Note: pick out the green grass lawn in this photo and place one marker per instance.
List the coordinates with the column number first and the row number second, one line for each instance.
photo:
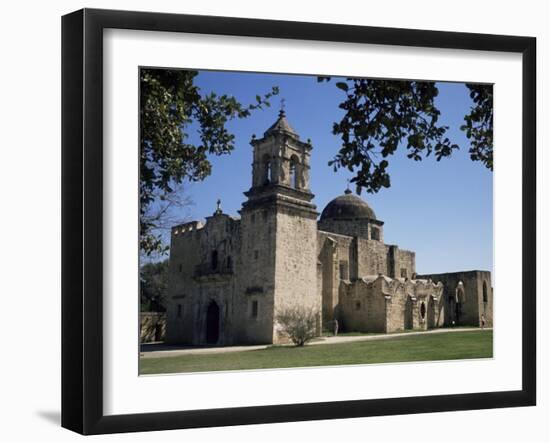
column 444, row 346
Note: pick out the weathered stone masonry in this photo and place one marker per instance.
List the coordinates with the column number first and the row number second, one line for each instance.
column 231, row 276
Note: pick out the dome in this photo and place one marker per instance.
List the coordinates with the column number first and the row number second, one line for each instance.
column 348, row 206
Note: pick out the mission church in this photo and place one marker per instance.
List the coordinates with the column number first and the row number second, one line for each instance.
column 230, row 277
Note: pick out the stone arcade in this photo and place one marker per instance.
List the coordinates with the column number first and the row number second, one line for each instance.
column 231, row 276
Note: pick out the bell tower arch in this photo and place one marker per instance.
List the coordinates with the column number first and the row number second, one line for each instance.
column 280, row 158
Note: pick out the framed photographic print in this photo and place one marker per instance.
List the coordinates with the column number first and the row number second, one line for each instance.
column 269, row 221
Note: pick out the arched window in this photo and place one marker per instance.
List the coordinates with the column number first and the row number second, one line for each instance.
column 294, row 164
column 460, row 293
column 456, row 316
column 214, row 260
column 485, row 298
column 423, row 310
column 267, row 169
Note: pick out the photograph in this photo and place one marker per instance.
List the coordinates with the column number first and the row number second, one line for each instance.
column 243, row 221
column 295, row 221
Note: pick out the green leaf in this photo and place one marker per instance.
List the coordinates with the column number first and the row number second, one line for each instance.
column 343, row 86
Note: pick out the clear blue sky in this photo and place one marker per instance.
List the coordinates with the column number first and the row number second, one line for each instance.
column 442, row 210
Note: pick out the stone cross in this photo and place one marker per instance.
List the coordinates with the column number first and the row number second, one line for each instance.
column 283, row 105
column 218, row 207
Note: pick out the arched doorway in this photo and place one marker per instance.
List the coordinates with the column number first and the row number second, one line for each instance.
column 452, row 308
column 212, row 323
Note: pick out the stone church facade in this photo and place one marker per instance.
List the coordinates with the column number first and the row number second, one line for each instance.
column 230, row 277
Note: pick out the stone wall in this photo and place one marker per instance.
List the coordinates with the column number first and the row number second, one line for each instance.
column 361, row 228
column 362, row 309
column 185, row 249
column 296, row 263
column 336, row 262
column 372, row 257
column 382, row 304
column 254, row 308
column 406, row 262
column 203, row 261
column 470, row 284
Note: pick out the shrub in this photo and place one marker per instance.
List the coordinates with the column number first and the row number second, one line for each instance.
column 299, row 324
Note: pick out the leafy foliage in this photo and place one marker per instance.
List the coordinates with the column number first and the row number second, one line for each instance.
column 171, row 105
column 479, row 124
column 382, row 115
column 379, row 116
column 298, row 323
column 153, row 284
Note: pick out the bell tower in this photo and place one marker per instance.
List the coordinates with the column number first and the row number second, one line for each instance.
column 279, row 232
column 281, row 162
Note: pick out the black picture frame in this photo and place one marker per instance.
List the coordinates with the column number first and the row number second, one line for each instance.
column 82, row 215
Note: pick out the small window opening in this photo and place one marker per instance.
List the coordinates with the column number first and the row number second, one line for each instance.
column 254, row 311
column 214, row 260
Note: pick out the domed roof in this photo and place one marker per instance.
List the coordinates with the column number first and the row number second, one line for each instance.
column 348, row 206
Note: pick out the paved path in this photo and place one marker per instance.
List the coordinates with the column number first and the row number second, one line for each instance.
column 160, row 350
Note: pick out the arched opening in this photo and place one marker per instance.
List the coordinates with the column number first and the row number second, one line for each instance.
column 268, row 170
column 294, row 164
column 423, row 310
column 458, row 312
column 212, row 323
column 214, row 260
column 450, row 314
column 408, row 321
